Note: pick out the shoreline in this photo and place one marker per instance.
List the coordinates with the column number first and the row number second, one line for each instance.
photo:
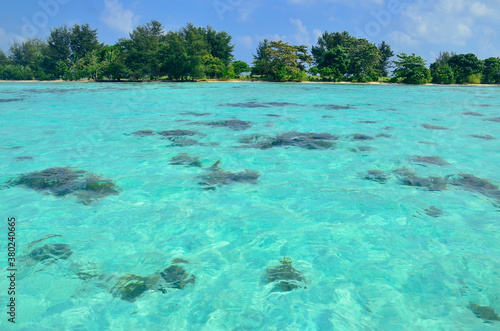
column 240, row 81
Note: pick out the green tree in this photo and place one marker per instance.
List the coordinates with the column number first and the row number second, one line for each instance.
column 214, row 68
column 113, row 66
column 83, row 41
column 364, row 57
column 443, row 75
column 386, row 54
column 411, row 69
column 240, row 67
column 4, row 60
column 142, row 50
column 283, row 62
column 218, row 44
column 491, row 71
column 334, row 64
column 466, row 67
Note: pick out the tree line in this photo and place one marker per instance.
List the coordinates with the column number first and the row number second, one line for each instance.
column 194, row 53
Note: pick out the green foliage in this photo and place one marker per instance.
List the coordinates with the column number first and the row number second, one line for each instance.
column 386, row 54
column 279, row 61
column 348, row 57
column 464, row 66
column 443, row 75
column 491, row 71
column 411, row 69
column 240, row 67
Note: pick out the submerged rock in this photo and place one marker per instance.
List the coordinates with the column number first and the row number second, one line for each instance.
column 472, row 113
column 475, row 184
column 64, row 181
column 130, row 287
column 433, row 212
column 360, row 136
column 335, row 107
column 143, row 133
column 235, row 125
column 23, row 158
column 376, row 175
column 176, row 277
column 305, row 140
column 383, row 135
column 186, row 160
column 485, row 137
column 285, row 276
column 432, row 183
column 437, row 160
column 51, row 252
column 219, row 177
column 434, row 127
column 10, row 100
column 494, row 119
column 484, row 312
column 184, row 142
column 180, row 133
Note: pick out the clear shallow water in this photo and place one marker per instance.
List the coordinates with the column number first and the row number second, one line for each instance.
column 371, row 256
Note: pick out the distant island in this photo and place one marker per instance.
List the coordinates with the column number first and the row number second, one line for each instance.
column 204, row 54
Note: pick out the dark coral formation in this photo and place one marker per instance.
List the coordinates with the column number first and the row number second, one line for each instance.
column 376, row 175
column 360, row 136
column 23, row 158
column 305, row 140
column 64, row 181
column 253, row 104
column 51, row 252
column 10, row 100
column 475, row 184
column 176, row 277
column 196, row 114
column 179, row 133
column 383, row 135
column 184, row 142
column 484, row 137
column 434, row 127
column 433, row 212
column 186, row 160
column 130, row 287
column 368, row 122
column 472, row 113
column 285, row 276
column 436, row 160
column 219, row 177
column 484, row 312
column 494, row 119
column 235, row 125
column 431, row 183
column 335, row 107
column 143, row 133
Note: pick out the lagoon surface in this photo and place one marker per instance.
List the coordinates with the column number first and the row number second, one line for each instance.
column 389, row 219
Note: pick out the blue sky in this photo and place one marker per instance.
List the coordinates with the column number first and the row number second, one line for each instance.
column 424, row 27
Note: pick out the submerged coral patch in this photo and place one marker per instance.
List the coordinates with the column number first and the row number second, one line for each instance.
column 10, row 100
column 143, row 133
column 434, row 127
column 335, row 107
column 475, row 184
column 433, row 211
column 184, row 142
column 51, row 252
column 176, row 277
column 253, row 104
column 436, row 160
column 305, row 140
column 472, row 113
column 180, row 133
column 218, row 177
column 235, row 125
column 23, row 158
column 286, row 277
column 376, row 175
column 360, row 136
column 484, row 312
column 186, row 160
column 432, row 183
column 64, row 181
column 130, row 287
column 484, row 137
column 494, row 119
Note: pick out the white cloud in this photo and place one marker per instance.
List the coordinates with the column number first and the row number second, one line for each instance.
column 302, row 36
column 402, row 38
column 245, row 41
column 445, row 21
column 118, row 18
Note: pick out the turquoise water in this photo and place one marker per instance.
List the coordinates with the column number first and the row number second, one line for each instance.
column 371, row 256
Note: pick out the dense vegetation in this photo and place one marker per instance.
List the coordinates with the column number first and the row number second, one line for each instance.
column 194, row 53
